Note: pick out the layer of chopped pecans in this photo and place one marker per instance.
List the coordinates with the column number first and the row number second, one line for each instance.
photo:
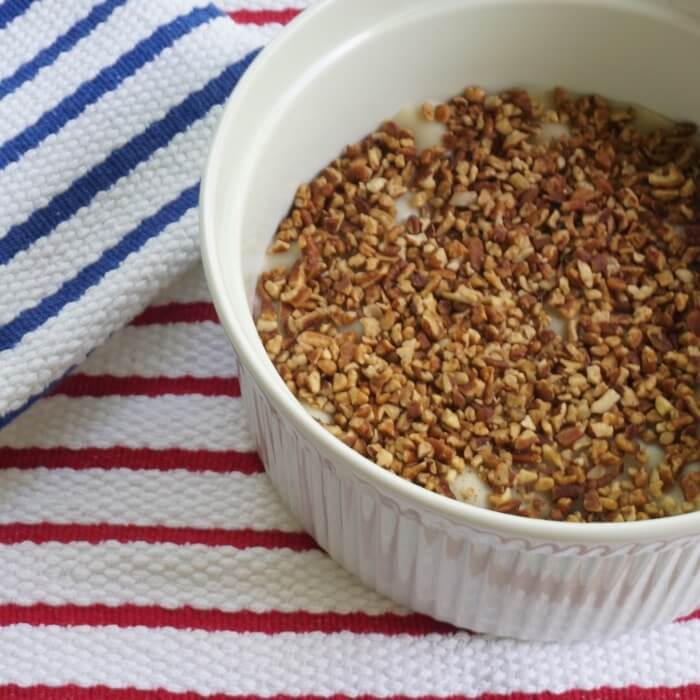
column 431, row 343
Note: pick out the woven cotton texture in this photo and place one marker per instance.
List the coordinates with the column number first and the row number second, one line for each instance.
column 143, row 552
column 106, row 113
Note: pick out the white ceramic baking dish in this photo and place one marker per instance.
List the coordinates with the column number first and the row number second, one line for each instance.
column 330, row 78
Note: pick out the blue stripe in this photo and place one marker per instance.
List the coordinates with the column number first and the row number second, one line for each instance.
column 11, row 9
column 121, row 161
column 63, row 43
column 107, row 79
column 31, row 319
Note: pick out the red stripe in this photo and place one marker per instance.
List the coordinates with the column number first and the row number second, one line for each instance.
column 264, row 16
column 74, row 692
column 131, row 458
column 186, row 617
column 216, row 620
column 41, row 533
column 693, row 616
column 108, row 385
column 191, row 312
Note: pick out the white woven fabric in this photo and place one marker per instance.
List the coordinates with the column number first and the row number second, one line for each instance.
column 172, row 575
column 106, row 112
column 200, row 422
column 182, row 348
column 324, row 664
column 180, row 498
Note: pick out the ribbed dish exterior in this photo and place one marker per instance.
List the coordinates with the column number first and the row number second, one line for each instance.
column 473, row 579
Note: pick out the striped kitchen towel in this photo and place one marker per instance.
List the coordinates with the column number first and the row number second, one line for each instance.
column 145, row 556
column 106, row 112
